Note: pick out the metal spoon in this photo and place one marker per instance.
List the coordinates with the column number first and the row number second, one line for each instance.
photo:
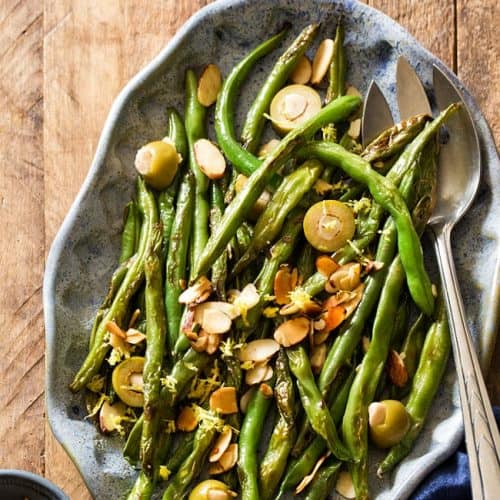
column 459, row 174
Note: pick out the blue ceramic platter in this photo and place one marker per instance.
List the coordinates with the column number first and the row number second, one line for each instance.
column 86, row 248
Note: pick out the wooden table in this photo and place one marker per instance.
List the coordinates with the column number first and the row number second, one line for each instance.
column 62, row 63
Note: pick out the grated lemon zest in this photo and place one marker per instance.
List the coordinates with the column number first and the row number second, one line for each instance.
column 96, row 384
column 95, row 409
column 170, row 383
column 164, row 472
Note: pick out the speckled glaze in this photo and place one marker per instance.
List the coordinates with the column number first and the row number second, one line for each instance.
column 86, row 248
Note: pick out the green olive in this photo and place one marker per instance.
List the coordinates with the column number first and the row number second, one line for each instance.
column 158, row 162
column 328, row 225
column 202, row 490
column 127, row 381
column 292, row 106
column 389, row 422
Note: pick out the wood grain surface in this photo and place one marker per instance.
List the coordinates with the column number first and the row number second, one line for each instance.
column 62, row 63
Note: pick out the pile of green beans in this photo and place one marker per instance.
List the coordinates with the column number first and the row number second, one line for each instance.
column 203, row 229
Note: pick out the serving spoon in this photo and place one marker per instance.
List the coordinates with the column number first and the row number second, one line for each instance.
column 458, row 181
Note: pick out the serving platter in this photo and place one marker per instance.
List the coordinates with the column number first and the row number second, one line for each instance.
column 86, row 248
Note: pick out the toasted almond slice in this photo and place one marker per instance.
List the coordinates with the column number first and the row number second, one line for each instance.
column 113, row 328
column 118, row 343
column 329, row 288
column 319, row 324
column 326, row 265
column 318, row 357
column 215, row 321
column 311, row 308
column 256, row 375
column 134, row 318
column 266, row 390
column 307, row 480
column 354, row 129
column 209, row 85
column 293, row 331
column 346, row 277
column 264, row 150
column 351, row 305
column 293, row 106
column 340, row 297
column 197, row 293
column 248, row 298
column 229, row 457
column 186, row 420
column 372, row 265
column 352, row 90
column 213, row 343
column 109, row 415
column 135, row 336
column 269, row 373
column 209, row 158
column 289, row 309
column 301, row 74
column 321, row 337
column 282, row 285
column 334, row 317
column 398, row 372
column 215, row 468
column 245, row 399
column 344, row 485
column 223, row 400
column 258, row 350
column 221, row 444
column 201, row 343
column 322, row 60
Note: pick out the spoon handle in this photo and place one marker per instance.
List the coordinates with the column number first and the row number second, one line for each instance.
column 481, row 431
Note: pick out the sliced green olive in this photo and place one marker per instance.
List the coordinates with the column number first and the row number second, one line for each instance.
column 127, row 381
column 328, row 225
column 211, row 489
column 389, row 422
column 157, row 162
column 292, row 106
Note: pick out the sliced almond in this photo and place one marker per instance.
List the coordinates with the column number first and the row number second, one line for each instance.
column 354, row 129
column 201, row 343
column 209, row 158
column 215, row 468
column 113, row 328
column 265, row 150
column 372, row 265
column 397, row 370
column 266, row 390
column 197, row 293
column 293, row 331
column 248, row 298
column 321, row 337
column 340, row 297
column 216, row 322
column 258, row 350
column 326, row 265
column 344, row 485
column 318, row 357
column 256, row 375
column 213, row 343
column 224, row 307
column 284, row 282
column 322, row 60
column 186, row 420
column 109, row 416
column 134, row 336
column 352, row 90
column 221, row 444
column 118, row 343
column 351, row 305
column 307, row 479
column 301, row 74
column 134, row 318
column 333, row 317
column 223, row 400
column 245, row 399
column 209, row 85
column 229, row 457
column 346, row 277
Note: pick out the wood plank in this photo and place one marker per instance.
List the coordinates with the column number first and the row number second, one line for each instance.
column 431, row 22
column 22, row 242
column 479, row 70
column 91, row 49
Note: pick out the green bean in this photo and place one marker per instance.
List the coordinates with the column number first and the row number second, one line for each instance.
column 143, row 487
column 274, row 461
column 175, row 272
column 192, row 465
column 362, row 393
column 305, row 263
column 219, row 269
column 155, row 347
column 316, row 409
column 129, row 286
column 242, row 160
column 177, row 132
column 244, row 200
column 426, row 382
column 337, row 71
column 393, row 139
column 324, row 481
column 243, row 239
column 303, row 465
column 386, row 194
column 195, row 116
column 129, row 231
column 250, row 432
column 413, row 344
column 287, row 196
column 256, row 120
column 182, row 451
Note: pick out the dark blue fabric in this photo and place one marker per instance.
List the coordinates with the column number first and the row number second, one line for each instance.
column 450, row 480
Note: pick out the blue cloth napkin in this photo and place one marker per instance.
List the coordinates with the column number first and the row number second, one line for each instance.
column 451, row 480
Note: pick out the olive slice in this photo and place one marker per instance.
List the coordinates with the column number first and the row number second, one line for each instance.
column 157, row 162
column 292, row 106
column 328, row 225
column 127, row 381
column 389, row 422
